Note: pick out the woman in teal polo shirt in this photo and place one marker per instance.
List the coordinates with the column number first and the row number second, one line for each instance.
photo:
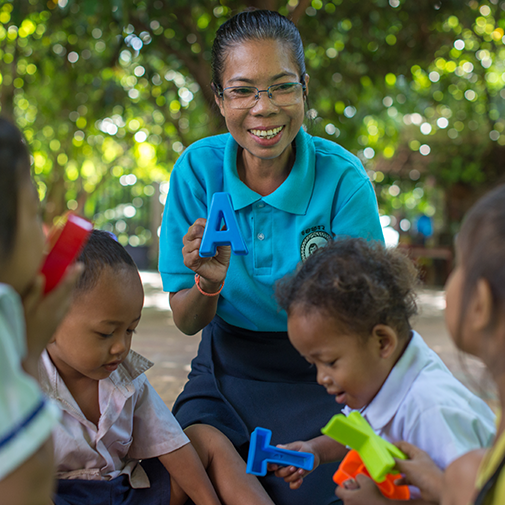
column 291, row 193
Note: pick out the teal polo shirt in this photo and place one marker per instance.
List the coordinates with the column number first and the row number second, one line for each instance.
column 327, row 195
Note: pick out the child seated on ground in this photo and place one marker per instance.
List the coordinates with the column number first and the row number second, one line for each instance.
column 117, row 442
column 349, row 307
column 475, row 318
column 27, row 322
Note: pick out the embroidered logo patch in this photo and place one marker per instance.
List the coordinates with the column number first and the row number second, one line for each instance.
column 312, row 242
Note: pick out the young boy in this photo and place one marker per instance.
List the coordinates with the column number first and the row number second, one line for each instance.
column 113, row 418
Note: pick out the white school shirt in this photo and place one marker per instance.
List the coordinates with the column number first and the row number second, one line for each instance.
column 422, row 403
column 134, row 424
column 26, row 418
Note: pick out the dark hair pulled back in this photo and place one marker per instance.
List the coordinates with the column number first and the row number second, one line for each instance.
column 255, row 25
column 357, row 283
column 14, row 166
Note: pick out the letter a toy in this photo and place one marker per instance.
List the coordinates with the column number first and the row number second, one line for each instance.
column 221, row 209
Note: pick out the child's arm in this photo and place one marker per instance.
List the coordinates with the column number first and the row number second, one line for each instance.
column 188, row 477
column 32, row 482
column 421, row 471
column 460, row 477
column 325, row 450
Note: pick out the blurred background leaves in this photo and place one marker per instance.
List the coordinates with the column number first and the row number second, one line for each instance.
column 110, row 92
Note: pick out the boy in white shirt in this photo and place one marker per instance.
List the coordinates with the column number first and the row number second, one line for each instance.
column 113, row 418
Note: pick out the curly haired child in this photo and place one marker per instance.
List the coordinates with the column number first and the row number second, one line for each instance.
column 349, row 307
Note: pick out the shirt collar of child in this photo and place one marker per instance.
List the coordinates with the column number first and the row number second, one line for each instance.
column 131, row 368
column 386, row 403
column 300, row 181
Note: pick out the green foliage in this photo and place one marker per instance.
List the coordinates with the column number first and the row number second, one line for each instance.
column 109, row 89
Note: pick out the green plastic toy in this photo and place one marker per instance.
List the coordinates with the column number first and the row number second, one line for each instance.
column 354, row 431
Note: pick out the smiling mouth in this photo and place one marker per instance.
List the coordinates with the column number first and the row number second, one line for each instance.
column 267, row 134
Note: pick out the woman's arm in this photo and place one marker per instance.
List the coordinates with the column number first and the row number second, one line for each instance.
column 191, row 309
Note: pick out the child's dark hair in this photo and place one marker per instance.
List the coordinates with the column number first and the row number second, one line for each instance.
column 358, row 283
column 255, row 25
column 101, row 251
column 14, row 166
column 481, row 247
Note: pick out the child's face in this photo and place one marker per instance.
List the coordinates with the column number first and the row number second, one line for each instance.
column 95, row 336
column 349, row 367
column 23, row 264
column 453, row 292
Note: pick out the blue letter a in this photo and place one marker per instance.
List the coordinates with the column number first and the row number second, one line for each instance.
column 221, row 209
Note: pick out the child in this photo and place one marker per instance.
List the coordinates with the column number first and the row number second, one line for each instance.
column 26, row 419
column 348, row 309
column 475, row 318
column 113, row 418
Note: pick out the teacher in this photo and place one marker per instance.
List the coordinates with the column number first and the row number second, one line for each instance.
column 291, row 193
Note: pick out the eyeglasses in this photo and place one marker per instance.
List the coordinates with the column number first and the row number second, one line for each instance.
column 246, row 97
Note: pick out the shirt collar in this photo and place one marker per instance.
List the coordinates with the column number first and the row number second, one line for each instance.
column 133, row 366
column 386, row 403
column 292, row 196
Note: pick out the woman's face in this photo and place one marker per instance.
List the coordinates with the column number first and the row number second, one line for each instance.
column 261, row 63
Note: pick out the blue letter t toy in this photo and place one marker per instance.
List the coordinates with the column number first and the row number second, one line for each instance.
column 261, row 453
column 221, row 209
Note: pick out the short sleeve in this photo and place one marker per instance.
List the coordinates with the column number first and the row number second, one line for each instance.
column 26, row 417
column 446, row 433
column 358, row 216
column 182, row 209
column 155, row 429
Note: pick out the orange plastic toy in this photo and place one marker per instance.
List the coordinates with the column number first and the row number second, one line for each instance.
column 352, row 465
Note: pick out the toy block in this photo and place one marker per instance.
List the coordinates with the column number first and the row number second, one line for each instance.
column 352, row 465
column 355, row 432
column 261, row 453
column 221, row 209
column 65, row 242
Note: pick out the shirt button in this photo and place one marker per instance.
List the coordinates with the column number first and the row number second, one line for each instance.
column 260, row 236
column 261, row 205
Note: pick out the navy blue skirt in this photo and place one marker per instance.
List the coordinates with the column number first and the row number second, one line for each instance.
column 117, row 491
column 242, row 379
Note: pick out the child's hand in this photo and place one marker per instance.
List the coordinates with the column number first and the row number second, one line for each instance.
column 43, row 314
column 212, row 269
column 361, row 491
column 420, row 471
column 291, row 474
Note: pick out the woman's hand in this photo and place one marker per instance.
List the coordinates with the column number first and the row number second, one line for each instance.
column 420, row 471
column 291, row 474
column 211, row 270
